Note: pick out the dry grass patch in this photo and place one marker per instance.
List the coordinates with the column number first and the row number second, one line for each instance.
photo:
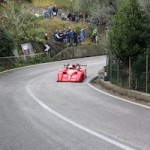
column 46, row 3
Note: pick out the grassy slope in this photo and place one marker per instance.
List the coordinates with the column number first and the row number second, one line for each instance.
column 41, row 26
column 50, row 25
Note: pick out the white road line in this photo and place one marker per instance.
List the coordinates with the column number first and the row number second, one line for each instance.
column 125, row 100
column 109, row 140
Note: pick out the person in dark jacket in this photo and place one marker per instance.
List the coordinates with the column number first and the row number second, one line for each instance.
column 56, row 36
column 81, row 16
column 73, row 17
column 61, row 35
column 65, row 34
column 46, row 37
column 71, row 37
column 55, row 10
column 69, row 16
column 75, row 36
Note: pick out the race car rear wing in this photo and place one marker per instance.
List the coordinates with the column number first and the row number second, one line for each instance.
column 65, row 65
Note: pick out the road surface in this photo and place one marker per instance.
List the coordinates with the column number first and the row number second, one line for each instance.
column 38, row 113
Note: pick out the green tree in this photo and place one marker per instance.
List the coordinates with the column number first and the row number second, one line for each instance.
column 97, row 8
column 19, row 21
column 146, row 5
column 128, row 36
column 6, row 43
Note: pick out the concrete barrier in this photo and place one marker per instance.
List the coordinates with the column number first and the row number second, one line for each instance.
column 79, row 52
column 140, row 96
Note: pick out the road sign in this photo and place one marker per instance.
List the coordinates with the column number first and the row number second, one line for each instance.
column 47, row 47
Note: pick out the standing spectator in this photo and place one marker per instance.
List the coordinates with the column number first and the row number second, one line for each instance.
column 68, row 35
column 65, row 36
column 94, row 34
column 82, row 34
column 50, row 10
column 71, row 37
column 96, row 39
column 69, row 16
column 55, row 10
column 73, row 17
column 75, row 36
column 46, row 37
column 81, row 17
column 60, row 36
column 86, row 16
column 56, row 36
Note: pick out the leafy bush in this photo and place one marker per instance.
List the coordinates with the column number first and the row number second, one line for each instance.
column 6, row 43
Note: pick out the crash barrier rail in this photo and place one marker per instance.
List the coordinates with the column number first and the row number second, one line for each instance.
column 23, row 60
column 132, row 74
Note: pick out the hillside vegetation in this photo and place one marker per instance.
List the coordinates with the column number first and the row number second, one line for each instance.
column 20, row 21
column 45, row 3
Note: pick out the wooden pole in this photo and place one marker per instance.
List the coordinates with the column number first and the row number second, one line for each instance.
column 147, row 72
column 117, row 71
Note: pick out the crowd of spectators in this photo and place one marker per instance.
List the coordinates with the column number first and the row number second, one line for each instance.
column 51, row 11
column 72, row 17
column 75, row 17
column 72, row 37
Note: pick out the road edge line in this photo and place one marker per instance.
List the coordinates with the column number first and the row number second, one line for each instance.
column 109, row 140
column 108, row 94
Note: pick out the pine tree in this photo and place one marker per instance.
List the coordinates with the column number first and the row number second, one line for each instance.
column 128, row 36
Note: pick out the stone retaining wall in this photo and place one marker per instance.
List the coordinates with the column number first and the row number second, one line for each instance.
column 79, row 52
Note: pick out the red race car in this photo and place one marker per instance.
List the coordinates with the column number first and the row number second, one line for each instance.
column 72, row 73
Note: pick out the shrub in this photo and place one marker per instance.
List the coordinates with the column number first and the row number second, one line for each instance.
column 6, row 43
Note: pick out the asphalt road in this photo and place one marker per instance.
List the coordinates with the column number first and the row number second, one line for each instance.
column 38, row 113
